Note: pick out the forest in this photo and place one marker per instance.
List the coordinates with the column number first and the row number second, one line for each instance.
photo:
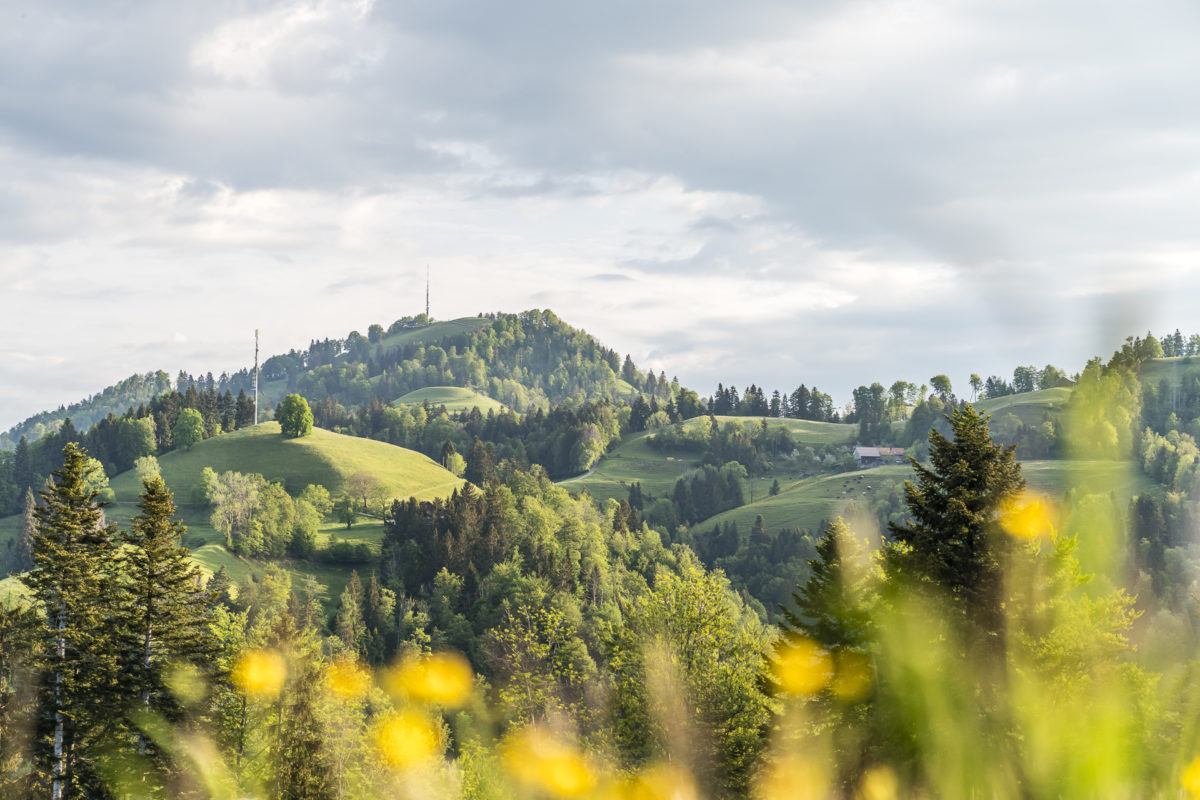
column 514, row 634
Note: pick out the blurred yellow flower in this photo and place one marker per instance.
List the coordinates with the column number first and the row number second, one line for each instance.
column 1191, row 778
column 348, row 679
column 878, row 783
column 790, row 777
column 407, row 739
column 1027, row 516
column 664, row 782
column 851, row 676
column 444, row 678
column 539, row 759
column 801, row 667
column 260, row 673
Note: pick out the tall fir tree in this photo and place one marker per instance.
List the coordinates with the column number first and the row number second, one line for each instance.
column 166, row 619
column 830, row 606
column 22, row 552
column 74, row 580
column 953, row 539
column 20, row 630
column 23, row 475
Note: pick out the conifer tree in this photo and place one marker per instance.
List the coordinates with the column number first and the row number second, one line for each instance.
column 74, row 581
column 19, row 633
column 23, row 475
column 22, row 558
column 830, row 607
column 953, row 540
column 166, row 619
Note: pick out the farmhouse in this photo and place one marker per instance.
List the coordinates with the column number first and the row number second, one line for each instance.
column 875, row 456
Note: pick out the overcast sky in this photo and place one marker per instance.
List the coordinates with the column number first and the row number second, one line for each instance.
column 827, row 192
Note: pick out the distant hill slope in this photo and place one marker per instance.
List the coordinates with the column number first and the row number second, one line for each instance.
column 806, row 503
column 323, row 458
column 454, row 398
column 634, row 460
column 523, row 360
column 1029, row 407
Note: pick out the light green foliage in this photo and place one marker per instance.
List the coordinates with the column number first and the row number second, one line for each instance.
column 189, row 429
column 318, row 498
column 146, row 468
column 688, row 666
column 1101, row 413
column 96, row 481
column 541, row 663
column 295, row 417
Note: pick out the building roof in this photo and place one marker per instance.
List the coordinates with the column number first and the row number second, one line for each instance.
column 866, row 452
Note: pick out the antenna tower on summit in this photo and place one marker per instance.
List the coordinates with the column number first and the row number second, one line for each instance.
column 256, row 376
column 427, row 294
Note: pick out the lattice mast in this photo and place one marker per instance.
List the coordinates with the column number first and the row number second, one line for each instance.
column 256, row 376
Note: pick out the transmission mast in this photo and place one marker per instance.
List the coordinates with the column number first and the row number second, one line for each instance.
column 427, row 320
column 256, row 376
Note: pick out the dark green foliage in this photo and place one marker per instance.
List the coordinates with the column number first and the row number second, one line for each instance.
column 219, row 588
column 75, row 580
column 481, row 464
column 21, row 556
column 830, row 606
column 20, row 643
column 295, row 417
column 166, row 608
column 953, row 540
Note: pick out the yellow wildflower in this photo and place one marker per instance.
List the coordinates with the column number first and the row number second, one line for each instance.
column 1027, row 516
column 407, row 739
column 664, row 781
column 878, row 783
column 443, row 679
column 348, row 679
column 1190, row 779
column 802, row 667
column 791, row 777
column 260, row 673
column 541, row 760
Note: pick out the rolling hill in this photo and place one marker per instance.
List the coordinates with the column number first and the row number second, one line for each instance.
column 657, row 470
column 454, row 398
column 324, row 458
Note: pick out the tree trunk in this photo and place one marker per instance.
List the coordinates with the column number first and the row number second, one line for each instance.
column 145, row 692
column 60, row 766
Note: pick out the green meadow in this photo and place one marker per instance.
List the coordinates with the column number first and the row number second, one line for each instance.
column 454, row 398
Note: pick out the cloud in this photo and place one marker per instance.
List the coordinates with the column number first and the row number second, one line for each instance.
column 839, row 190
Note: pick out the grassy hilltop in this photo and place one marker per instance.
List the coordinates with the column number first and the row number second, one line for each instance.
column 324, row 458
column 454, row 398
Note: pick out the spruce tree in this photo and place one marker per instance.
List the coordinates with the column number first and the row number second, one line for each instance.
column 22, row 558
column 166, row 619
column 20, row 629
column 23, row 475
column 829, row 606
column 74, row 580
column 953, row 540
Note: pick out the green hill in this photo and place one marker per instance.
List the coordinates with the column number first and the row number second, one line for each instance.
column 454, row 398
column 1029, row 407
column 322, row 458
column 634, row 460
column 435, row 332
column 805, row 503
